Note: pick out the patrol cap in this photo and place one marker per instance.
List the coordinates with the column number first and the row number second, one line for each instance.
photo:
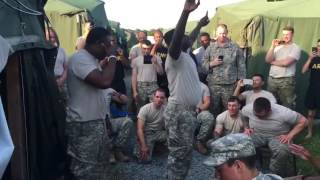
column 230, row 147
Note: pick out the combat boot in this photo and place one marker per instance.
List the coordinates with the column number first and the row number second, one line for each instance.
column 121, row 157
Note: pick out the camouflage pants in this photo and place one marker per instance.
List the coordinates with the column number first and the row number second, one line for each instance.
column 179, row 123
column 280, row 159
column 145, row 91
column 121, row 128
column 205, row 123
column 220, row 94
column 283, row 89
column 151, row 137
column 88, row 147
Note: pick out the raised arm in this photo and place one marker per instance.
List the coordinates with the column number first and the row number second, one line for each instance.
column 195, row 32
column 176, row 42
column 306, row 65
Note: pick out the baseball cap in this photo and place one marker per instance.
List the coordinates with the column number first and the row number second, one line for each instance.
column 230, row 147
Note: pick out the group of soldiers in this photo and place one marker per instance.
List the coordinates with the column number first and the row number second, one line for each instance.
column 184, row 99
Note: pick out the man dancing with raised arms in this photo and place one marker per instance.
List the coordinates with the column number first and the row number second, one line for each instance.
column 185, row 94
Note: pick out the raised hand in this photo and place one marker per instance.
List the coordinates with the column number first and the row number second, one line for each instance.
column 204, row 20
column 191, row 5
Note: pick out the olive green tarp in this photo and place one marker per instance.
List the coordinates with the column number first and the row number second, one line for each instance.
column 254, row 23
column 68, row 16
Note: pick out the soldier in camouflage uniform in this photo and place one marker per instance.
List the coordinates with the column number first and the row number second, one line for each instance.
column 225, row 64
column 233, row 158
column 150, row 127
column 205, row 120
column 88, row 142
column 274, row 126
column 185, row 94
column 144, row 75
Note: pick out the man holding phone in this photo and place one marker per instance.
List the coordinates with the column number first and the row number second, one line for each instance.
column 225, row 63
column 144, row 75
column 283, row 58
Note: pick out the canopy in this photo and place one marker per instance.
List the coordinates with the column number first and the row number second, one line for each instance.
column 253, row 24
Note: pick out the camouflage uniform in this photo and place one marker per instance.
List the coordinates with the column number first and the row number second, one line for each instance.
column 179, row 122
column 222, row 78
column 283, row 90
column 88, row 146
column 121, row 128
column 234, row 146
column 205, row 123
column 151, row 137
column 145, row 91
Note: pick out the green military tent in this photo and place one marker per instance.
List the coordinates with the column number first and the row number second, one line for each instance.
column 253, row 24
column 68, row 16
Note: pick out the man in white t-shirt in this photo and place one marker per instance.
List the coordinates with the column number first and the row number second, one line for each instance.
column 257, row 91
column 150, row 127
column 283, row 56
column 185, row 94
column 275, row 126
column 144, row 75
column 229, row 121
column 89, row 72
column 136, row 50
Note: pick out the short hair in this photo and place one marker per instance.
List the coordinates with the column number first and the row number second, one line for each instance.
column 261, row 104
column 234, row 99
column 168, row 36
column 146, row 42
column 50, row 29
column 97, row 34
column 249, row 161
column 158, row 31
column 259, row 75
column 224, row 26
column 318, row 40
column 204, row 34
column 160, row 90
column 288, row 28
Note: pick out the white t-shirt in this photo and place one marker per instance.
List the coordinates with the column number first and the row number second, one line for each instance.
column 152, row 117
column 135, row 51
column 184, row 83
column 228, row 124
column 60, row 60
column 282, row 52
column 145, row 72
column 86, row 102
column 251, row 96
column 279, row 122
column 108, row 97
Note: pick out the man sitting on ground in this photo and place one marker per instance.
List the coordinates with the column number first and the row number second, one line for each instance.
column 233, row 158
column 230, row 121
column 275, row 126
column 150, row 127
column 205, row 120
column 257, row 91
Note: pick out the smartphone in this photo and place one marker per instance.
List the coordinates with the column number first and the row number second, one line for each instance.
column 147, row 59
column 220, row 58
column 314, row 49
column 247, row 82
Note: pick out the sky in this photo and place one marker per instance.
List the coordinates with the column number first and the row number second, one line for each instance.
column 153, row 14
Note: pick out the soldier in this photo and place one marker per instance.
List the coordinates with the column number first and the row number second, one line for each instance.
column 185, row 94
column 205, row 120
column 150, row 127
column 283, row 56
column 233, row 158
column 275, row 126
column 144, row 75
column 119, row 126
column 136, row 50
column 225, row 64
column 90, row 70
column 257, row 91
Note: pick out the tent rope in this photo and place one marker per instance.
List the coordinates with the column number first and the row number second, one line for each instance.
column 33, row 12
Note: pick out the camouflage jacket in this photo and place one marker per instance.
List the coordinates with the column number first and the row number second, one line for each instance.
column 232, row 68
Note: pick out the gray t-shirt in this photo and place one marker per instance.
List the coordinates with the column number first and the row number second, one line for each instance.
column 228, row 124
column 204, row 92
column 108, row 97
column 279, row 122
column 152, row 117
column 251, row 96
column 135, row 51
column 86, row 102
column 184, row 83
column 60, row 61
column 145, row 72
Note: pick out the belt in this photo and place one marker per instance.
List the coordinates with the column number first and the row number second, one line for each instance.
column 147, row 83
column 281, row 77
column 186, row 107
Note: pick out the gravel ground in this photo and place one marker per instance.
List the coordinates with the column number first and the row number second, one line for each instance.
column 157, row 169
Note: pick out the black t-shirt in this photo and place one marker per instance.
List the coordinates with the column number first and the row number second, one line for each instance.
column 162, row 52
column 315, row 72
